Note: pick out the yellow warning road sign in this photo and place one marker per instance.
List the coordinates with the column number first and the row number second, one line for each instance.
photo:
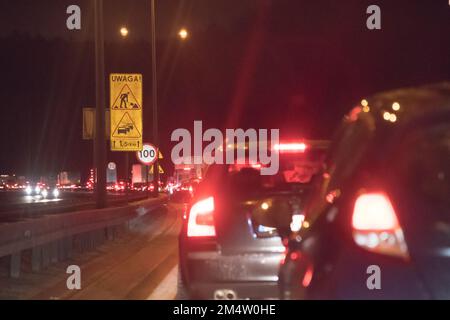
column 160, row 169
column 126, row 111
column 126, row 128
column 89, row 124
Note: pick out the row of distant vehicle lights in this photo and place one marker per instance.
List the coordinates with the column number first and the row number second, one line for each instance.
column 41, row 191
column 387, row 115
column 12, row 186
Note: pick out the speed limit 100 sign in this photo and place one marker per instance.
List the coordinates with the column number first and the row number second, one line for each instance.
column 148, row 154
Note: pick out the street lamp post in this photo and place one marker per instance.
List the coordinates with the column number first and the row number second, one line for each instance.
column 99, row 139
column 154, row 99
column 124, row 33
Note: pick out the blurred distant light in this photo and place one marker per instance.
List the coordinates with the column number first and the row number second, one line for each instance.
column 354, row 113
column 366, row 108
column 396, row 106
column 296, row 222
column 364, row 103
column 392, row 118
column 308, row 277
column 386, row 115
column 28, row 190
column 183, row 34
column 123, row 31
column 44, row 193
column 294, row 255
column 264, row 206
column 301, row 147
column 56, row 193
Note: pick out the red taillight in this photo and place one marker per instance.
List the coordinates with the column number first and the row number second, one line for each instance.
column 290, row 147
column 376, row 227
column 294, row 255
column 201, row 219
column 308, row 276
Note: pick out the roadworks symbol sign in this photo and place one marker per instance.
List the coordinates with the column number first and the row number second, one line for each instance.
column 126, row 99
column 126, row 128
column 126, row 111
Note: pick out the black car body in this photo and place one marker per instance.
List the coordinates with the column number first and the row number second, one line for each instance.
column 228, row 247
column 381, row 206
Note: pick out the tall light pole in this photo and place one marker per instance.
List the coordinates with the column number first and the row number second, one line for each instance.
column 154, row 99
column 124, row 33
column 99, row 139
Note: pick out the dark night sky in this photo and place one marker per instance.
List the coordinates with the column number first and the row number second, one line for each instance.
column 294, row 65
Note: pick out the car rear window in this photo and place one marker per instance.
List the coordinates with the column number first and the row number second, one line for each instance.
column 422, row 165
column 295, row 172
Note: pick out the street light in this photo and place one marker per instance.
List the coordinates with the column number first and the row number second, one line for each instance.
column 183, row 34
column 123, row 31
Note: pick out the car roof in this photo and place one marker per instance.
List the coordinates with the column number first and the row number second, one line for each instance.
column 417, row 105
column 413, row 103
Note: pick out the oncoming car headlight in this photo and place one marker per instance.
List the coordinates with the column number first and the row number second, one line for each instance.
column 55, row 193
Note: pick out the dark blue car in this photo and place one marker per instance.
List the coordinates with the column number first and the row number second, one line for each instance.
column 377, row 222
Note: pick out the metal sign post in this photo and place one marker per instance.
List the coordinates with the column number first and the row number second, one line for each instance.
column 127, row 176
column 147, row 156
column 154, row 96
column 100, row 141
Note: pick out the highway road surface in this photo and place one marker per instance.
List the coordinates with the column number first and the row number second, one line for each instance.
column 140, row 264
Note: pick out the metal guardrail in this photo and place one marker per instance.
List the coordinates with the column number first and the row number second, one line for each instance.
column 52, row 238
column 18, row 212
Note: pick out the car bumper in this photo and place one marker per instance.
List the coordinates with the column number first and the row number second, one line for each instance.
column 248, row 276
column 234, row 290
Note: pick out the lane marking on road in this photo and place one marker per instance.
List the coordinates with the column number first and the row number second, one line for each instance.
column 116, row 282
column 167, row 289
column 113, row 262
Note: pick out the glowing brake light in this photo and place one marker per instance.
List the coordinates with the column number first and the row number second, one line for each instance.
column 290, row 147
column 376, row 227
column 201, row 220
column 374, row 212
